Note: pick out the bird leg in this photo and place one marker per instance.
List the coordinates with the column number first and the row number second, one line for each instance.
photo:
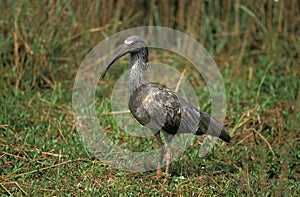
column 168, row 157
column 161, row 155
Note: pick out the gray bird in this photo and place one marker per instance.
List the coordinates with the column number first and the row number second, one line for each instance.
column 161, row 109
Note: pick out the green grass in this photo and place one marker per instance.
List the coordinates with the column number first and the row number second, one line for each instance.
column 41, row 151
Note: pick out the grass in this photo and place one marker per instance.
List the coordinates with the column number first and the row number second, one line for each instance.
column 256, row 47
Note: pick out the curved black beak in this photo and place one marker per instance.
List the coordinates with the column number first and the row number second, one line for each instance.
column 121, row 53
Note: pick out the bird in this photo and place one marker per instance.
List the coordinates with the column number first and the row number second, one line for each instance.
column 160, row 109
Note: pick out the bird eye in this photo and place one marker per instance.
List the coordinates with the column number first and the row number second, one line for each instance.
column 128, row 41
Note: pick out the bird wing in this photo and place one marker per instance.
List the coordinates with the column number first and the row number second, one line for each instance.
column 161, row 108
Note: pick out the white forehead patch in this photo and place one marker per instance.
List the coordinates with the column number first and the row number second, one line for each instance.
column 128, row 41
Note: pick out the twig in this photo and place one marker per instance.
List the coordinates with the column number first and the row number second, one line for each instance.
column 3, row 126
column 180, row 79
column 254, row 136
column 59, row 157
column 244, row 138
column 60, row 132
column 117, row 112
column 266, row 141
column 290, row 140
column 45, row 168
column 15, row 183
column 32, row 150
column 20, row 188
column 2, row 185
column 6, row 153
column 262, row 81
column 93, row 30
column 54, row 154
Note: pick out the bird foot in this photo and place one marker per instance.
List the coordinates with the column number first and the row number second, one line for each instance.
column 157, row 176
column 166, row 179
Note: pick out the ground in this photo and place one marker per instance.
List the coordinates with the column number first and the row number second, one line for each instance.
column 258, row 56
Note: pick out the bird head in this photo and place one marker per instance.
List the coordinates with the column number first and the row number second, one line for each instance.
column 134, row 45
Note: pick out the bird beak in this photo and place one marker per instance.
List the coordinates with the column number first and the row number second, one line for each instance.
column 121, row 53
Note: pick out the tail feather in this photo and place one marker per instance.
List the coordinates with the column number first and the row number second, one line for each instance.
column 215, row 129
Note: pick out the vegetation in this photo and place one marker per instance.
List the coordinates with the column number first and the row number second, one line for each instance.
column 256, row 46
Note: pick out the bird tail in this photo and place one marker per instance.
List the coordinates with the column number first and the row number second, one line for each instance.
column 215, row 129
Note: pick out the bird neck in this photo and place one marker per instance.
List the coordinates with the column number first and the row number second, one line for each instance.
column 138, row 64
